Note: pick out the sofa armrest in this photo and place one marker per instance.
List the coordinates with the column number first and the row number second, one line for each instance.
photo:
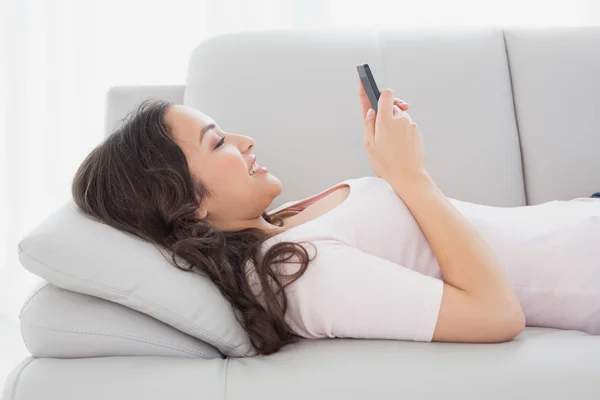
column 122, row 99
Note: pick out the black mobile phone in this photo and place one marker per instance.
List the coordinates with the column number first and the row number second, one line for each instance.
column 366, row 77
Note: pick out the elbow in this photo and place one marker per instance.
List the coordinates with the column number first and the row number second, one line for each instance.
column 518, row 323
column 511, row 325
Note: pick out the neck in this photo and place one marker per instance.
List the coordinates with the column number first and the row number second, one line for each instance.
column 257, row 223
column 267, row 227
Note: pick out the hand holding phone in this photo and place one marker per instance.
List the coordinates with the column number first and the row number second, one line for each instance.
column 393, row 142
column 369, row 93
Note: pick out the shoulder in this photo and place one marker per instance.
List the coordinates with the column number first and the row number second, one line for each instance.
column 326, row 261
column 288, row 255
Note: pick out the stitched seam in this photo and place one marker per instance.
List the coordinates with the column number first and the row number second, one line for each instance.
column 381, row 47
column 512, row 91
column 18, row 378
column 126, row 336
column 144, row 301
column 23, row 310
column 31, row 298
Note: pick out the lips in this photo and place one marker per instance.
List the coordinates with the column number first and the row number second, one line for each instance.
column 252, row 161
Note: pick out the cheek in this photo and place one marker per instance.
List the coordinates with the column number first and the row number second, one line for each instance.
column 232, row 168
column 225, row 172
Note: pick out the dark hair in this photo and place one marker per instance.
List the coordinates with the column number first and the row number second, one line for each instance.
column 138, row 181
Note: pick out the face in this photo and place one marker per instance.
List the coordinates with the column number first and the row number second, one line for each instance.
column 223, row 162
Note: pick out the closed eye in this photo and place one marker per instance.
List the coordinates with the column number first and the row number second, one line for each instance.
column 220, row 143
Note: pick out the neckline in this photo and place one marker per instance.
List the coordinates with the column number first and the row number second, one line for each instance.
column 328, row 191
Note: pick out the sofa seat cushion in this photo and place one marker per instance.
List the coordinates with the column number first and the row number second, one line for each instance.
column 540, row 363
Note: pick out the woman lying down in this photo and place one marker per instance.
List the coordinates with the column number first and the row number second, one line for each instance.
column 387, row 257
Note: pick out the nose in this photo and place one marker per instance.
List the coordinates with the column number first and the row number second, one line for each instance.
column 246, row 143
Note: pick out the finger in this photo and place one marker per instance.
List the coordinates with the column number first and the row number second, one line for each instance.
column 369, row 127
column 404, row 114
column 386, row 103
column 402, row 104
column 398, row 113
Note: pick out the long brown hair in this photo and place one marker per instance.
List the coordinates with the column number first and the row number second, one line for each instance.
column 138, row 181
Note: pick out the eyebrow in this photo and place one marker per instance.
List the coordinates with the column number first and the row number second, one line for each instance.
column 206, row 129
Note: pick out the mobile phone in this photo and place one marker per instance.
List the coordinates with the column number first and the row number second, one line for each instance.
column 366, row 77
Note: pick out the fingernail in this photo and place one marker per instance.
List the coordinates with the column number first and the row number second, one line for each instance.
column 370, row 112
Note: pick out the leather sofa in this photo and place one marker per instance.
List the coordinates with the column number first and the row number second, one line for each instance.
column 509, row 118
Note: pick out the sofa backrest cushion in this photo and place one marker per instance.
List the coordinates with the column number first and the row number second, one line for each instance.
column 295, row 93
column 556, row 85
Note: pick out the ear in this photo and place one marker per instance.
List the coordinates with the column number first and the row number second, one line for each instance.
column 202, row 213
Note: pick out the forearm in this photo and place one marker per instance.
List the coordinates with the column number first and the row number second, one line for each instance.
column 465, row 259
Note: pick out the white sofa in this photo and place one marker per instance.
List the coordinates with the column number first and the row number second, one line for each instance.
column 509, row 117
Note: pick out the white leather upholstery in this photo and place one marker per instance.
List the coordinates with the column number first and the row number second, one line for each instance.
column 295, row 93
column 540, row 364
column 60, row 323
column 556, row 87
column 117, row 378
column 74, row 252
column 297, row 90
column 123, row 99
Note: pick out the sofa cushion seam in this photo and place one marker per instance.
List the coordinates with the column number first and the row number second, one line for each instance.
column 514, row 104
column 18, row 378
column 31, row 297
column 227, row 361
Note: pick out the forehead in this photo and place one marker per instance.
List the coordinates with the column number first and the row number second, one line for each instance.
column 184, row 119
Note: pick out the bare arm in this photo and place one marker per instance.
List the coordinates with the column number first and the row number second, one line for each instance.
column 478, row 305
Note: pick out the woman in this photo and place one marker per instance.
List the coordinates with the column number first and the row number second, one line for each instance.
column 388, row 257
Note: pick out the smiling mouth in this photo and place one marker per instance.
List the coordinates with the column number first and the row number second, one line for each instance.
column 253, row 168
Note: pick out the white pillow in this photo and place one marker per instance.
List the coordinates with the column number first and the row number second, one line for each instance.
column 76, row 253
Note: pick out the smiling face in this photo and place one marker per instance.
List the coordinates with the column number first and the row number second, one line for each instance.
column 225, row 163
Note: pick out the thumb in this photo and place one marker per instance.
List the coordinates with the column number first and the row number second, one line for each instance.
column 370, row 126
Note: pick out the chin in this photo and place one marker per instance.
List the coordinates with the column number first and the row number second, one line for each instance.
column 275, row 185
